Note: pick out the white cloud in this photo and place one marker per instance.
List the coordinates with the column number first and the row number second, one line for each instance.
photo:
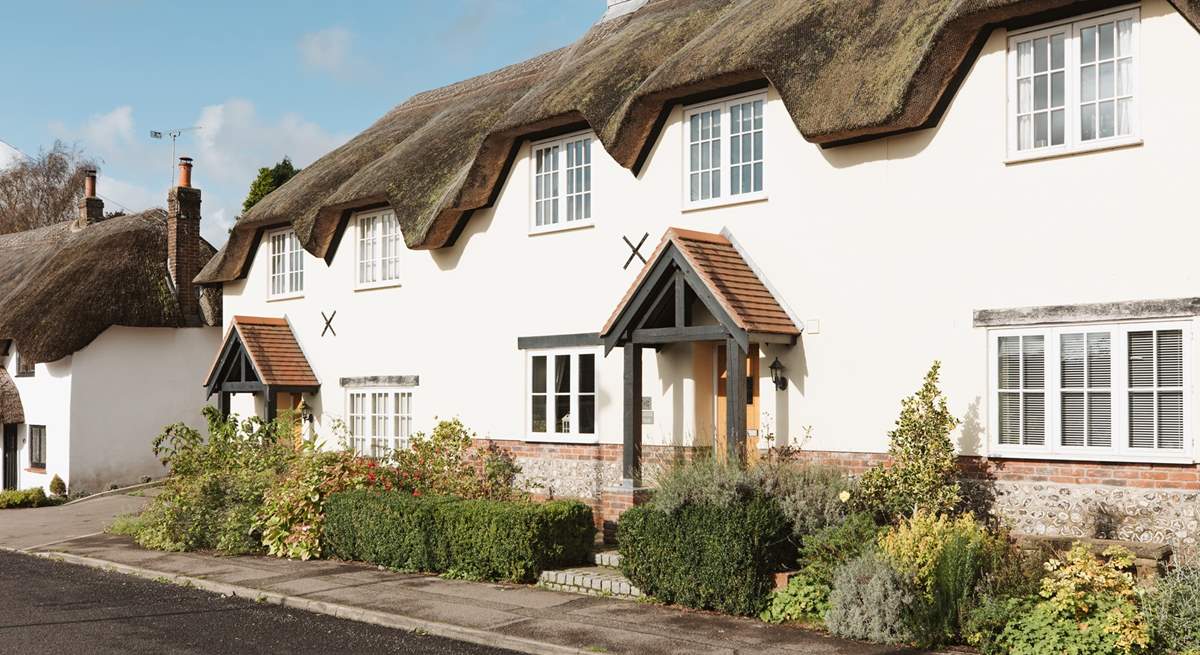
column 327, row 50
column 233, row 143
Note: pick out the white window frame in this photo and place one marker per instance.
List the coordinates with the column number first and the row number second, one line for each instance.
column 363, row 427
column 33, row 431
column 1119, row 451
column 560, row 175
column 726, row 137
column 573, row 434
column 369, row 233
column 293, row 252
column 1072, row 142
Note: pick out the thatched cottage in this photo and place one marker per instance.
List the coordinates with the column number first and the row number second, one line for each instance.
column 723, row 224
column 101, row 332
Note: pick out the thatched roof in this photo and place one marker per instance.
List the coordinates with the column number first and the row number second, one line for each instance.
column 846, row 69
column 11, row 410
column 63, row 285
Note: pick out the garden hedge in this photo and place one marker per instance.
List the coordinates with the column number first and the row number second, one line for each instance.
column 707, row 556
column 473, row 539
column 32, row 497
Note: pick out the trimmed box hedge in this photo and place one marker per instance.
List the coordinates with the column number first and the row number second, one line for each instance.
column 473, row 539
column 707, row 556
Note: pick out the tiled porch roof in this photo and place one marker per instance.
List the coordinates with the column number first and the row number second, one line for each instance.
column 273, row 350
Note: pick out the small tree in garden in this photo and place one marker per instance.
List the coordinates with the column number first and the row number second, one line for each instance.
column 924, row 472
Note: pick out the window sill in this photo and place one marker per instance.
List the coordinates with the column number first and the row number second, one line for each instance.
column 562, row 227
column 1098, row 458
column 41, row 471
column 377, row 285
column 743, row 199
column 281, row 298
column 1062, row 151
column 573, row 439
column 24, row 375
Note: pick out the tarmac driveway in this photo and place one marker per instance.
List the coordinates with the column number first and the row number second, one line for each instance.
column 33, row 528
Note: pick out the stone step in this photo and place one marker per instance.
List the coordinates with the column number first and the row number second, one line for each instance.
column 609, row 558
column 591, row 580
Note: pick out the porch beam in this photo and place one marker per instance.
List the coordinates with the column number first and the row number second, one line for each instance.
column 681, row 309
column 223, row 403
column 272, row 403
column 652, row 336
column 735, row 399
column 768, row 337
column 241, row 387
column 631, row 452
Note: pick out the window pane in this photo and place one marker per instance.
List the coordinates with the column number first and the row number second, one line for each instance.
column 1099, row 359
column 1058, row 93
column 1141, row 419
column 562, row 373
column 1024, row 133
column 1010, row 418
column 1124, row 119
column 587, row 373
column 1025, row 58
column 1034, row 419
column 1087, row 83
column 1107, row 80
column 1087, row 45
column 1058, row 127
column 1073, row 419
column 1108, row 119
column 1024, row 95
column 1057, row 50
column 1034, row 362
column 1106, row 41
column 1072, row 360
column 1124, row 38
column 1041, row 130
column 539, row 414
column 1170, row 358
column 1087, row 122
column 539, row 374
column 1040, row 92
column 1170, row 419
column 1124, row 77
column 562, row 413
column 1141, row 359
column 587, row 414
column 1040, row 55
column 1099, row 420
column 1010, row 362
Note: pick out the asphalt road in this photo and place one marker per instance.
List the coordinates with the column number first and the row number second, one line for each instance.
column 61, row 609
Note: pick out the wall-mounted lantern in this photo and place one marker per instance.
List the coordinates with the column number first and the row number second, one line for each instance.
column 777, row 375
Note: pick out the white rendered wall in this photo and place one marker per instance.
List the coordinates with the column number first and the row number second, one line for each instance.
column 46, row 397
column 890, row 245
column 127, row 385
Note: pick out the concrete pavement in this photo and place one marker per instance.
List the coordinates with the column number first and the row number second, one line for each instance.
column 22, row 529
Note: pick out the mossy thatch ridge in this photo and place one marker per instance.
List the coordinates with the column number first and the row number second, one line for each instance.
column 845, row 69
column 65, row 284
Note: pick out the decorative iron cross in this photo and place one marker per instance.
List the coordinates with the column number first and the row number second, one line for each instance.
column 328, row 323
column 636, row 250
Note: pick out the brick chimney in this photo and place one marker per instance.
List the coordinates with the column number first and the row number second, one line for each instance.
column 183, row 241
column 91, row 208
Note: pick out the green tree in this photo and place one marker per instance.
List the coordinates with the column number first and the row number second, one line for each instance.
column 924, row 471
column 268, row 180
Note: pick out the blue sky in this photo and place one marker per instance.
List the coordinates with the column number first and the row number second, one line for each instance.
column 264, row 80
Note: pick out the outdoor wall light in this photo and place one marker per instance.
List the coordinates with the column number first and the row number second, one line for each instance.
column 777, row 375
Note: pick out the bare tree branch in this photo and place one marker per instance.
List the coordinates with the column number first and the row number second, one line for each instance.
column 43, row 190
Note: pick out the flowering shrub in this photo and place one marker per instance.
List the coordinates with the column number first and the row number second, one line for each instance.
column 447, row 463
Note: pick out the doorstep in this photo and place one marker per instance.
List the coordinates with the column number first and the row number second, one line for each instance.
column 523, row 618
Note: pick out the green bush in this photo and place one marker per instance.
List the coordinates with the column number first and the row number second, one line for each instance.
column 472, row 539
column 57, row 486
column 707, row 556
column 805, row 598
column 871, row 601
column 1173, row 608
column 923, row 473
column 32, row 497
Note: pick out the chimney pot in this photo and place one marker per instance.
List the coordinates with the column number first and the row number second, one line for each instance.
column 185, row 172
column 89, row 183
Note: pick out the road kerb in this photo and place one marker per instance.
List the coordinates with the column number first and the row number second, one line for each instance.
column 338, row 610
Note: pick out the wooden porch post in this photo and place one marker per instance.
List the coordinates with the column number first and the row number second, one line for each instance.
column 735, row 399
column 223, row 402
column 631, row 461
column 272, row 404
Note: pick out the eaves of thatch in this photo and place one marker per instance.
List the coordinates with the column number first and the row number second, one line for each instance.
column 63, row 285
column 11, row 409
column 847, row 70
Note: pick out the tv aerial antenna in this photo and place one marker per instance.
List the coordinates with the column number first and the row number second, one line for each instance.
column 174, row 134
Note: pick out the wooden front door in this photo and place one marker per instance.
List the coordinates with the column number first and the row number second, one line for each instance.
column 752, row 405
column 10, row 457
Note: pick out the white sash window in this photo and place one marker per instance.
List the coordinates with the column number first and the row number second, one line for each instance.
column 723, row 152
column 379, row 420
column 287, row 265
column 379, row 246
column 562, row 183
column 1117, row 392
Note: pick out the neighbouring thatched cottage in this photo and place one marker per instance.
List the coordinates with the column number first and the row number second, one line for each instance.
column 725, row 224
column 101, row 332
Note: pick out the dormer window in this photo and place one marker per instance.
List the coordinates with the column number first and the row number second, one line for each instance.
column 378, row 252
column 1072, row 86
column 723, row 155
column 287, row 265
column 562, row 183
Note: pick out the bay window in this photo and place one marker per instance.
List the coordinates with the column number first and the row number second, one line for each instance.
column 1072, row 86
column 1116, row 391
column 562, row 393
